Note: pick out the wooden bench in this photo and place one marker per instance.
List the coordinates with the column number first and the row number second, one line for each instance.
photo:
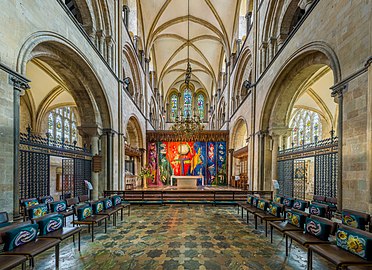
column 288, row 224
column 355, row 219
column 275, row 213
column 8, row 262
column 25, row 204
column 86, row 217
column 30, row 246
column 338, row 255
column 51, row 226
column 313, row 232
column 60, row 207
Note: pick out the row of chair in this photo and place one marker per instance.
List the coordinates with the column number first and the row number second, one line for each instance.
column 46, row 230
column 353, row 244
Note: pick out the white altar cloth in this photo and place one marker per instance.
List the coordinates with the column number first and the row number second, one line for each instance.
column 187, row 181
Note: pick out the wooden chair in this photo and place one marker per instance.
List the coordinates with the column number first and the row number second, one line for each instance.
column 84, row 199
column 51, row 226
column 355, row 219
column 274, row 214
column 8, row 262
column 25, row 204
column 61, row 208
column 31, row 246
column 340, row 254
column 85, row 217
column 315, row 227
column 290, row 224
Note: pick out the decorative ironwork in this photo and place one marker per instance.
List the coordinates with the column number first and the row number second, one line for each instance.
column 82, row 171
column 203, row 136
column 33, row 175
column 326, row 173
column 67, row 176
column 285, row 177
column 299, row 179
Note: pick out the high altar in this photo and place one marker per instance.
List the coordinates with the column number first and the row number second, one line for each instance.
column 201, row 160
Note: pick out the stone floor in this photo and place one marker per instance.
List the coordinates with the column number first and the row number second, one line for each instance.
column 180, row 237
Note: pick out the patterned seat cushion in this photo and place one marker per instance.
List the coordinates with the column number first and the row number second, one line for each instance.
column 46, row 199
column 278, row 199
column 50, row 224
column 36, row 211
column 299, row 205
column 296, row 219
column 84, row 212
column 20, row 236
column 357, row 243
column 30, row 203
column 107, row 203
column 288, row 202
column 262, row 204
column 318, row 228
column 255, row 201
column 98, row 207
column 250, row 199
column 58, row 206
column 274, row 209
column 353, row 220
column 116, row 200
column 317, row 210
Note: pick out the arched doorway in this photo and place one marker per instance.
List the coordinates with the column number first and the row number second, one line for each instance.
column 301, row 115
column 134, row 150
column 66, row 109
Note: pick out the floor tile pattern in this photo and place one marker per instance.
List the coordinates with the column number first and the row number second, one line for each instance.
column 180, row 237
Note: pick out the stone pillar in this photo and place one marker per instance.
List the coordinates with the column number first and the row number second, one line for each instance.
column 108, row 140
column 369, row 132
column 272, row 49
column 20, row 84
column 248, row 18
column 147, row 66
column 95, row 176
column 261, row 159
column 231, row 164
column 337, row 92
column 275, row 151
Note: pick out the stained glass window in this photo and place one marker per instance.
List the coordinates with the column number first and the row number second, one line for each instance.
column 174, row 106
column 62, row 125
column 187, row 102
column 201, row 106
column 306, row 127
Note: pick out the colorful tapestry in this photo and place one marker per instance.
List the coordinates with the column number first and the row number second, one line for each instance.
column 207, row 159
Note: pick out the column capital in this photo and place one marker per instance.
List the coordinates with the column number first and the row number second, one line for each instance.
column 231, row 150
column 91, row 131
column 279, row 131
column 19, row 84
column 338, row 90
column 147, row 60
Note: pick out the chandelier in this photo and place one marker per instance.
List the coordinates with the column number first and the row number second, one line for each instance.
column 187, row 126
column 188, row 68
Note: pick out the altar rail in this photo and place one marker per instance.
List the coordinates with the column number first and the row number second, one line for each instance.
column 186, row 196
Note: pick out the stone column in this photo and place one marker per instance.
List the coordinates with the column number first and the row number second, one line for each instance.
column 248, row 18
column 275, row 151
column 20, row 84
column 231, row 164
column 147, row 66
column 95, row 176
column 337, row 92
column 369, row 132
column 261, row 160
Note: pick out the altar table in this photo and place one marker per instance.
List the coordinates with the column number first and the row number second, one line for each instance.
column 188, row 181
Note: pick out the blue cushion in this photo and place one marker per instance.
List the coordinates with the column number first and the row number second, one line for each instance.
column 58, row 206
column 97, row 207
column 47, row 199
column 275, row 209
column 20, row 236
column 107, row 203
column 38, row 211
column 296, row 219
column 288, row 202
column 318, row 229
column 250, row 199
column 299, row 205
column 278, row 199
column 355, row 243
column 262, row 204
column 317, row 210
column 353, row 220
column 255, row 201
column 50, row 224
column 30, row 203
column 116, row 200
column 84, row 212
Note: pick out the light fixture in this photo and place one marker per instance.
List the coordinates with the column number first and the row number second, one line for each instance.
column 188, row 68
column 187, row 125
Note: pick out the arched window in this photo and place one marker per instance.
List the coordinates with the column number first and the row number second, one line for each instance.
column 187, row 102
column 62, row 125
column 174, row 106
column 306, row 127
column 200, row 106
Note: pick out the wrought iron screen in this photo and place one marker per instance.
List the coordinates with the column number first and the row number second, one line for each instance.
column 82, row 169
column 326, row 171
column 33, row 174
column 285, row 175
column 68, row 176
column 299, row 178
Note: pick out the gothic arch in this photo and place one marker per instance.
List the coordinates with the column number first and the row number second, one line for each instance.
column 133, row 132
column 239, row 134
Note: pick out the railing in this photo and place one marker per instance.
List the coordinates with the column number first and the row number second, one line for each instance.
column 185, row 196
column 47, row 142
column 326, row 143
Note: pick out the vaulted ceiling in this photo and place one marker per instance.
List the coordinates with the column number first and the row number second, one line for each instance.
column 212, row 24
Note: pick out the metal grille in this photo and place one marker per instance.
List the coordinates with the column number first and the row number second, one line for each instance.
column 299, row 179
column 326, row 175
column 82, row 169
column 33, row 175
column 285, row 175
column 68, row 176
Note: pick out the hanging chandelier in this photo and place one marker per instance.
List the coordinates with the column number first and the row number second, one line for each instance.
column 187, row 125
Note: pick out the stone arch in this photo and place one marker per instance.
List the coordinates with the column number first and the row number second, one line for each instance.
column 133, row 132
column 239, row 134
column 285, row 87
column 75, row 70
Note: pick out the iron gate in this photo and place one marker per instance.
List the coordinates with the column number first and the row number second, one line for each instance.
column 292, row 171
column 34, row 166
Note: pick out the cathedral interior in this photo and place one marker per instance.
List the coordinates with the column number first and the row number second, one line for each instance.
column 186, row 134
